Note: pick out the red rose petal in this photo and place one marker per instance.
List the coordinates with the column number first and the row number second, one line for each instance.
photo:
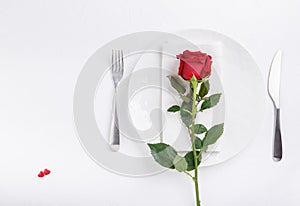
column 194, row 63
column 41, row 174
column 47, row 172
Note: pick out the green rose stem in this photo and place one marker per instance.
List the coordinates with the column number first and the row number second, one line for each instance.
column 194, row 84
column 165, row 154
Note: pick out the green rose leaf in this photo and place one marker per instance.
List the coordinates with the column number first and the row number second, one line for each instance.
column 180, row 164
column 189, row 157
column 164, row 154
column 174, row 108
column 185, row 113
column 198, row 143
column 210, row 101
column 213, row 134
column 176, row 84
column 199, row 129
column 204, row 88
column 185, row 98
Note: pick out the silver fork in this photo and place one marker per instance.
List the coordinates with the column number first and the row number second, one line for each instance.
column 117, row 70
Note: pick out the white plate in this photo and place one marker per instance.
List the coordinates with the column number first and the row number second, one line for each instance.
column 140, row 99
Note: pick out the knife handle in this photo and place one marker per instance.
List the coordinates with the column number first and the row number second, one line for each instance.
column 277, row 152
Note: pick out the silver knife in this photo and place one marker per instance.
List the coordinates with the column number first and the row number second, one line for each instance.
column 274, row 92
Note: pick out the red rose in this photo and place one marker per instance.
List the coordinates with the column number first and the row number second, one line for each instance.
column 194, row 63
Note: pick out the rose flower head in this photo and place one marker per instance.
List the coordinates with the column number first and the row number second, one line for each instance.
column 194, row 63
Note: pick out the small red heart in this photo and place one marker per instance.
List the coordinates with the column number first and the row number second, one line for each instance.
column 41, row 174
column 47, row 172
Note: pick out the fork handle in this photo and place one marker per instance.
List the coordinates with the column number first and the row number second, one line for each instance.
column 277, row 152
column 114, row 129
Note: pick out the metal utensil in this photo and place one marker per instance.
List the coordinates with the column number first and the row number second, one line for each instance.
column 274, row 93
column 117, row 70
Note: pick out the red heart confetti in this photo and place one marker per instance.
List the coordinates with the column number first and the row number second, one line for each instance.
column 41, row 174
column 47, row 172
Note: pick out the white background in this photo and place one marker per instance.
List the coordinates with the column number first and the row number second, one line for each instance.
column 44, row 45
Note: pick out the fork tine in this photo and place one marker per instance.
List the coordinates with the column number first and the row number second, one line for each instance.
column 116, row 61
column 122, row 62
column 113, row 61
column 119, row 61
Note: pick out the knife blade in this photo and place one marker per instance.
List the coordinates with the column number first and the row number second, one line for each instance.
column 274, row 93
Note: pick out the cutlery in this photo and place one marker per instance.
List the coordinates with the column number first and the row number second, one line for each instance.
column 117, row 70
column 274, row 93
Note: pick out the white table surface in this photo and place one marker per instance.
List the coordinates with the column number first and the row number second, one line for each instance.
column 43, row 47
